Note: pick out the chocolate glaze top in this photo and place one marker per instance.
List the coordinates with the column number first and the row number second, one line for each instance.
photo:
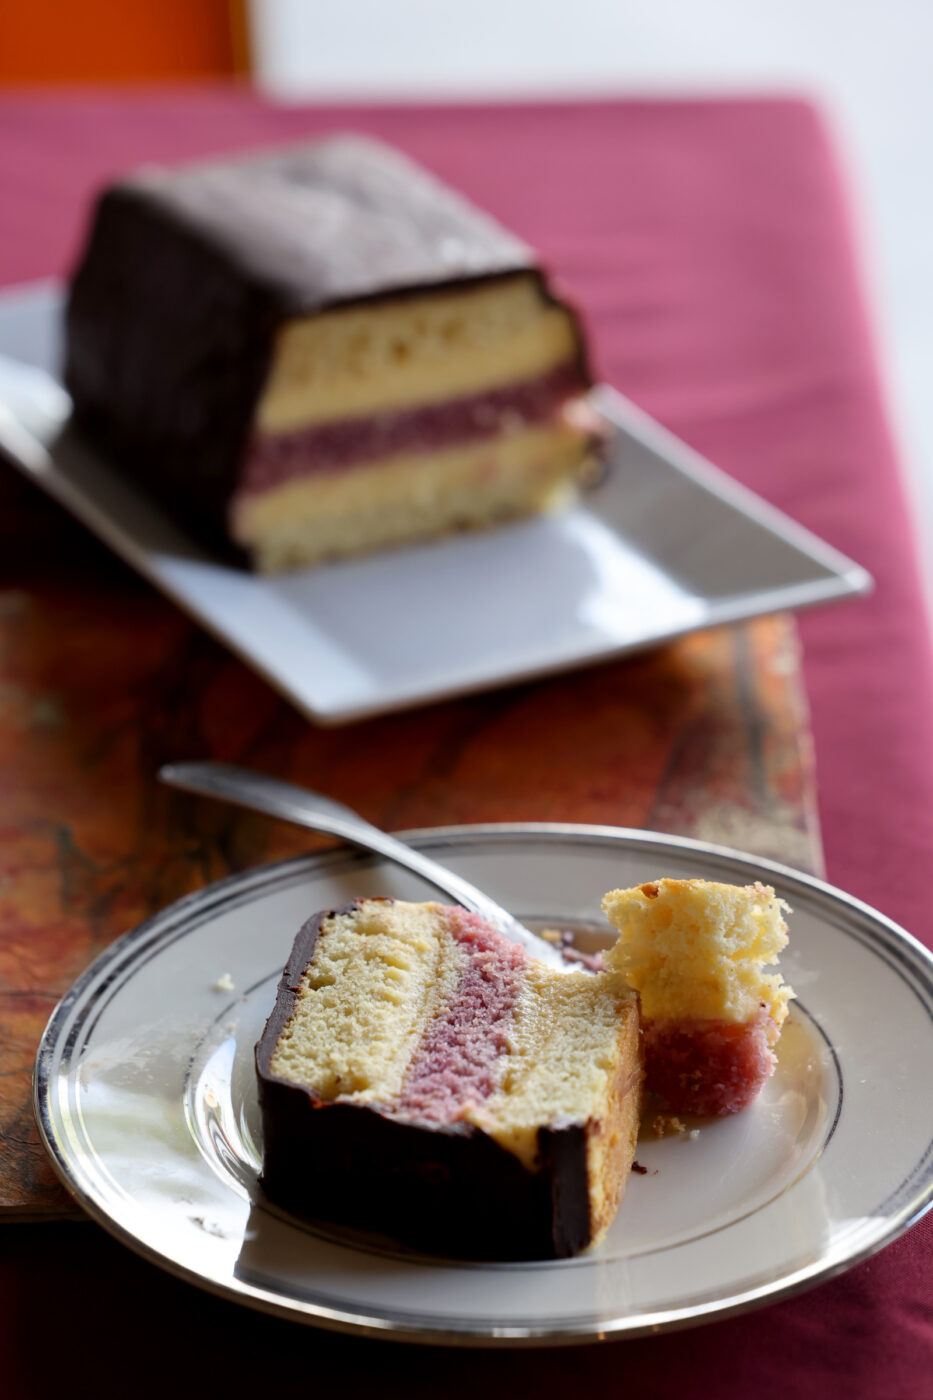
column 332, row 221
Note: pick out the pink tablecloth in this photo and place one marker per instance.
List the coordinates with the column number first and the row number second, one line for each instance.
column 709, row 245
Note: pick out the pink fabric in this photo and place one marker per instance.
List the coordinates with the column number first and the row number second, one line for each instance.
column 709, row 246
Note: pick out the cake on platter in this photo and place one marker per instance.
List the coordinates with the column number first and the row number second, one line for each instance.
column 424, row 1077
column 320, row 351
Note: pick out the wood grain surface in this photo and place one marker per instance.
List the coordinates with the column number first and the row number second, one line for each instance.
column 102, row 680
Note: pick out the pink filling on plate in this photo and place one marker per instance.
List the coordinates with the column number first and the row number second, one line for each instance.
column 454, row 1064
column 706, row 1067
column 273, row 458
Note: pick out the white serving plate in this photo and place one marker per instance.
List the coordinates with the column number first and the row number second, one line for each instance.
column 665, row 545
column 146, row 1099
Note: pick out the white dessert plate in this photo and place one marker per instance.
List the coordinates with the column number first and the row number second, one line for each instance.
column 146, row 1098
column 666, row 544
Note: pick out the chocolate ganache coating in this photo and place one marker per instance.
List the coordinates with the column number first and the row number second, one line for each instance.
column 188, row 273
column 445, row 1188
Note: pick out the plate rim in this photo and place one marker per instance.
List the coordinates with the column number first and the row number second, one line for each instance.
column 477, row 1336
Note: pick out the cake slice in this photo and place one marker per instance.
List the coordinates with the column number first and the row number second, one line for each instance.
column 695, row 951
column 321, row 351
column 423, row 1076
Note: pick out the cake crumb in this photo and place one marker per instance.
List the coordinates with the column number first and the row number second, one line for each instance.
column 565, row 939
column 667, row 1125
column 209, row 1227
column 637, row 1167
column 593, row 962
column 225, row 983
column 693, row 1134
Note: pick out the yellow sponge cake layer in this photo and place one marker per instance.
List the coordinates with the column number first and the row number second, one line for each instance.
column 573, row 1053
column 413, row 350
column 408, row 497
column 364, row 1000
column 694, row 948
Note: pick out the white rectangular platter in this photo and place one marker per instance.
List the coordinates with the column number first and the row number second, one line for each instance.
column 664, row 545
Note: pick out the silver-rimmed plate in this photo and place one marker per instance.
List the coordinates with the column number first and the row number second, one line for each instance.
column 146, row 1099
column 664, row 545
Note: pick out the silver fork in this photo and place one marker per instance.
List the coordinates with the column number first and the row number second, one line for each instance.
column 260, row 793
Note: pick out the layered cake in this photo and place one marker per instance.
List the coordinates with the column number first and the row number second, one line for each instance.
column 695, row 951
column 322, row 351
column 424, row 1077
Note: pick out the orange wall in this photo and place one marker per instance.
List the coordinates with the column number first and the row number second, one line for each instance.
column 103, row 41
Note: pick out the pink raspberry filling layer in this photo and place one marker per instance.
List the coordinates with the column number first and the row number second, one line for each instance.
column 708, row 1068
column 454, row 1064
column 273, row 458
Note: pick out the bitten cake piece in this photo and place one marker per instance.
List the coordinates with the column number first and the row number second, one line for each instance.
column 321, row 351
column 694, row 951
column 423, row 1076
